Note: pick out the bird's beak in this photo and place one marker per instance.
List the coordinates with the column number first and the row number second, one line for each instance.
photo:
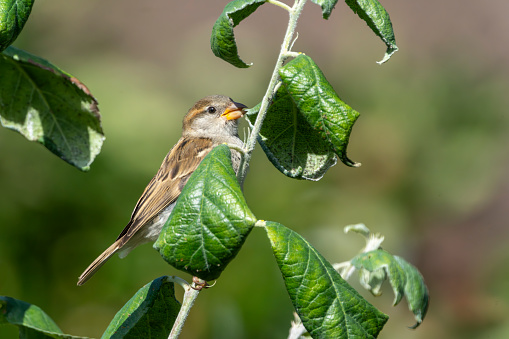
column 234, row 111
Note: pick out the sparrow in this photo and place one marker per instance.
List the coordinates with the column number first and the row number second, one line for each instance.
column 212, row 121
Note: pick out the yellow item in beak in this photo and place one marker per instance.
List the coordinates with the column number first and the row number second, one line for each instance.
column 234, row 111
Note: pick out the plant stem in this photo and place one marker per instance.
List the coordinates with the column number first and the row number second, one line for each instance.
column 294, row 13
column 190, row 296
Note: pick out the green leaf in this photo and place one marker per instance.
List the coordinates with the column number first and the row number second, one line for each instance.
column 290, row 143
column 13, row 16
column 375, row 266
column 30, row 319
column 327, row 6
column 48, row 105
column 378, row 20
column 150, row 313
column 210, row 221
column 320, row 105
column 222, row 40
column 416, row 292
column 327, row 305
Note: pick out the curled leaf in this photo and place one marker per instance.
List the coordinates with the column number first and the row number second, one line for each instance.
column 358, row 228
column 315, row 98
column 289, row 141
column 416, row 292
column 327, row 6
column 378, row 265
column 377, row 18
column 222, row 40
column 375, row 267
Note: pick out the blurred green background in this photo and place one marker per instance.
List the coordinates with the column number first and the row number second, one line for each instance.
column 432, row 138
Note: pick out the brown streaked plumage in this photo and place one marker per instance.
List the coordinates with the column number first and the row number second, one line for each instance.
column 210, row 122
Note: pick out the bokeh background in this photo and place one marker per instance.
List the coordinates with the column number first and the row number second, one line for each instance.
column 432, row 138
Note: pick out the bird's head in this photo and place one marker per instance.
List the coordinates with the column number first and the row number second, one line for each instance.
column 213, row 116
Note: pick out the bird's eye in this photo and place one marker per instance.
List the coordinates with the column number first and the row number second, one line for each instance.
column 211, row 109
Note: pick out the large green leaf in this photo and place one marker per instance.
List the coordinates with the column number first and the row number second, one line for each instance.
column 319, row 104
column 378, row 20
column 210, row 221
column 327, row 305
column 290, row 143
column 378, row 265
column 33, row 323
column 150, row 313
column 327, row 6
column 13, row 16
column 48, row 105
column 222, row 40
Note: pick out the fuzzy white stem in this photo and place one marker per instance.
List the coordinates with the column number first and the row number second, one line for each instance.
column 294, row 13
column 190, row 296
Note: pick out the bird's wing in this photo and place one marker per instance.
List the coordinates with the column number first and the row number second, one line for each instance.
column 166, row 185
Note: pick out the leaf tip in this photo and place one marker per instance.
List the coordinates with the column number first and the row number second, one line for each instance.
column 417, row 324
column 358, row 228
column 388, row 54
column 350, row 163
column 241, row 64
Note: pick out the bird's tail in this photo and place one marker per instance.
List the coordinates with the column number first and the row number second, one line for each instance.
column 87, row 274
